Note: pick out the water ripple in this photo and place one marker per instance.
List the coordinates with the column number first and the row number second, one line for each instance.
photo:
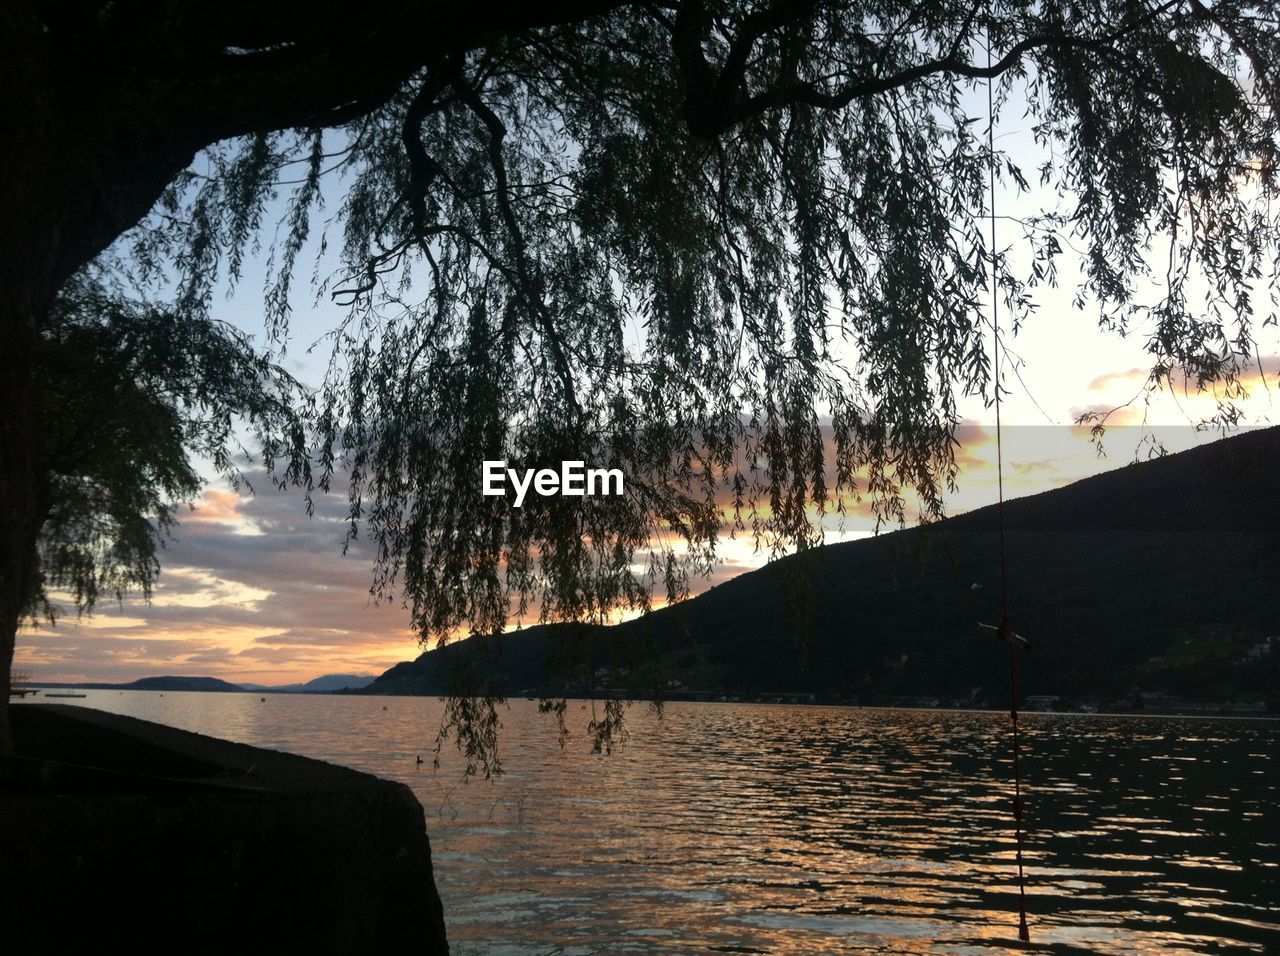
column 731, row 828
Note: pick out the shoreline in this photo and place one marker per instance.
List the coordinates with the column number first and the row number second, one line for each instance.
column 1217, row 710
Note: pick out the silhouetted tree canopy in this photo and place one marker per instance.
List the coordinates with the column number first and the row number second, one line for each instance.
column 127, row 392
column 675, row 238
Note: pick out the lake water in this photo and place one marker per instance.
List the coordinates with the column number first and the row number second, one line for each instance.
column 740, row 828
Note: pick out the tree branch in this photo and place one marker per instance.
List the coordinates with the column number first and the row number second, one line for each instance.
column 711, row 112
column 530, row 284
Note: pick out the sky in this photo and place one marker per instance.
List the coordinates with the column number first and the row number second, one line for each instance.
column 252, row 589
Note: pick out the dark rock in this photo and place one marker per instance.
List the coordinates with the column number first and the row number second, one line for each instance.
column 120, row 830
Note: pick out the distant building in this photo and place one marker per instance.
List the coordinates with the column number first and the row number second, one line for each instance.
column 1041, row 701
column 1259, row 650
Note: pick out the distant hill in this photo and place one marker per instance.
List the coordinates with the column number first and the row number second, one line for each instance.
column 170, row 683
column 325, row 684
column 1158, row 578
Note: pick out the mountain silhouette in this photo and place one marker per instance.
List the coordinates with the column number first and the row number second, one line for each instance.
column 166, row 682
column 1159, row 577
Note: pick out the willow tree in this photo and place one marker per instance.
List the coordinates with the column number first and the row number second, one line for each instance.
column 674, row 238
column 125, row 393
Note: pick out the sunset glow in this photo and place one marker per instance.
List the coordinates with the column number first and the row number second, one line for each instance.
column 253, row 590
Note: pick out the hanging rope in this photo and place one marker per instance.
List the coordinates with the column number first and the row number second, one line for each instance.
column 1005, row 631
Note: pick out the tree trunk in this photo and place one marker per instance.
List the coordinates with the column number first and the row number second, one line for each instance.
column 21, row 480
column 35, row 188
column 18, row 534
column 76, row 171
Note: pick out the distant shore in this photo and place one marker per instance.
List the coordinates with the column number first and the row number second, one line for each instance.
column 1151, row 706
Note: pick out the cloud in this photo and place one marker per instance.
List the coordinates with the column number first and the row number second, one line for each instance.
column 201, row 588
column 283, row 603
column 216, row 506
column 1113, row 416
column 1128, row 377
column 1258, row 376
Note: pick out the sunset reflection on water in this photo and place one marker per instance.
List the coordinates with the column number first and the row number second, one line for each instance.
column 737, row 828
